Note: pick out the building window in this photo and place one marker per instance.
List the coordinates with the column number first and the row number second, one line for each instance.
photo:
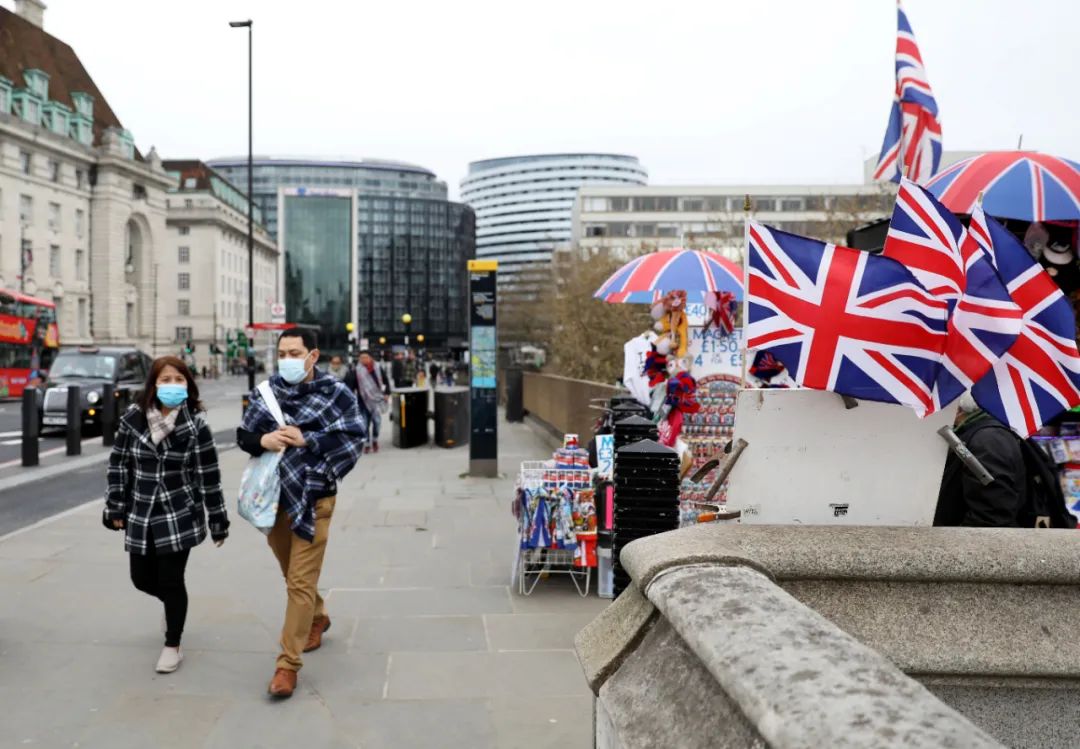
column 764, row 204
column 183, row 281
column 54, row 261
column 791, row 204
column 185, row 230
column 25, row 161
column 138, row 192
column 188, row 203
column 183, row 334
column 80, row 222
column 54, row 170
column 54, row 217
column 80, row 265
column 26, row 210
column 84, row 319
column 130, row 317
column 185, row 255
column 183, row 307
column 80, row 178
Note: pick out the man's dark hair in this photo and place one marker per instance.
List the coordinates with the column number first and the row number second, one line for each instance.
column 309, row 337
column 364, row 351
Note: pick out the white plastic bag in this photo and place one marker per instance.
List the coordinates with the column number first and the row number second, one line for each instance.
column 260, row 486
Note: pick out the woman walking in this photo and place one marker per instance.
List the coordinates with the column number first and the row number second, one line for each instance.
column 163, row 481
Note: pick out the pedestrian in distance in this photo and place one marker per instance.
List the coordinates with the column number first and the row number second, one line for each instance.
column 338, row 369
column 322, row 440
column 369, row 383
column 163, row 482
column 433, row 370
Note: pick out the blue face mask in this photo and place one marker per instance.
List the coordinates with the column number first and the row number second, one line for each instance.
column 171, row 396
column 293, row 371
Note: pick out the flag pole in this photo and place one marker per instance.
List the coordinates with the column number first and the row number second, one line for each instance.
column 746, row 288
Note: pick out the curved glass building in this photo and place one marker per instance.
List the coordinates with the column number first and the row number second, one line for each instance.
column 365, row 242
column 396, row 179
column 524, row 204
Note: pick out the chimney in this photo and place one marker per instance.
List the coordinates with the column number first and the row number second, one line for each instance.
column 32, row 11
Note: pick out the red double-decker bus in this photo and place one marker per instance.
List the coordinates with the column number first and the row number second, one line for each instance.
column 29, row 338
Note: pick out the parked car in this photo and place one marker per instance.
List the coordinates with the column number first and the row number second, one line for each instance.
column 93, row 369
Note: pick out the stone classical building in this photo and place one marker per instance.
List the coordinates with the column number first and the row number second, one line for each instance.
column 203, row 272
column 82, row 212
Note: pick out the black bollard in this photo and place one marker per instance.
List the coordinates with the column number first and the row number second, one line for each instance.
column 109, row 414
column 30, row 427
column 74, row 420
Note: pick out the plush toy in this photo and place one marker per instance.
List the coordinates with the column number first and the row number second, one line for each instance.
column 768, row 372
column 671, row 322
column 722, row 308
column 680, row 399
column 655, row 367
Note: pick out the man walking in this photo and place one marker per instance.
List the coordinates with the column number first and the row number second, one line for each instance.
column 321, row 442
column 372, row 390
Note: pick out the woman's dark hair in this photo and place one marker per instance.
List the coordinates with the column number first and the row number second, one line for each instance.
column 148, row 398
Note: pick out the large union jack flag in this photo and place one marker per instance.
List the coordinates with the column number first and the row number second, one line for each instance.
column 1039, row 376
column 844, row 320
column 984, row 321
column 914, row 130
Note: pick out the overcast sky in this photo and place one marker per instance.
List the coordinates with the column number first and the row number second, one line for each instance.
column 703, row 92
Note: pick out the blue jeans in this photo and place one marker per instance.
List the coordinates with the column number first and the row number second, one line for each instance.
column 374, row 422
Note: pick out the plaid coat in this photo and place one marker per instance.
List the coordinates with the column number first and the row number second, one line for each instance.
column 326, row 412
column 167, row 488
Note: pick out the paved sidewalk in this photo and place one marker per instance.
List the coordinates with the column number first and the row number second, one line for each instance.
column 429, row 647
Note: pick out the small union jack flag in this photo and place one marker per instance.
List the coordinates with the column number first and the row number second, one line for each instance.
column 1039, row 376
column 914, row 130
column 984, row 320
column 844, row 320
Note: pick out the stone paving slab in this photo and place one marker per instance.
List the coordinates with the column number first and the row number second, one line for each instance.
column 429, row 645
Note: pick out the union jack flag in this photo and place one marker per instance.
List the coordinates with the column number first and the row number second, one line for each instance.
column 983, row 319
column 1039, row 377
column 844, row 320
column 914, row 130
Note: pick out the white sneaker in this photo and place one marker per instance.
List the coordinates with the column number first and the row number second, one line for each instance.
column 169, row 660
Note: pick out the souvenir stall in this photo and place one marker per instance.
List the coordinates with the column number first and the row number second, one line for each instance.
column 556, row 511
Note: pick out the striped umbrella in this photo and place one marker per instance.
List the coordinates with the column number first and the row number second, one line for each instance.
column 1014, row 184
column 649, row 277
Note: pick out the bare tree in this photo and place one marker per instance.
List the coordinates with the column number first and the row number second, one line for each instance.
column 586, row 336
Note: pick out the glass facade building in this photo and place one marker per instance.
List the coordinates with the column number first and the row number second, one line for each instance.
column 366, row 176
column 368, row 254
column 318, row 264
column 412, row 257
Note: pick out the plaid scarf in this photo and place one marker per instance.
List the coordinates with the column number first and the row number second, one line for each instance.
column 326, row 412
column 161, row 426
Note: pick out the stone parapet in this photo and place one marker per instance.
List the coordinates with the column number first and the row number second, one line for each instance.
column 959, row 621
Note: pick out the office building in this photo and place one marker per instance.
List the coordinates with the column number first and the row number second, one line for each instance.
column 82, row 211
column 350, row 256
column 203, row 273
column 369, row 177
column 524, row 204
column 629, row 220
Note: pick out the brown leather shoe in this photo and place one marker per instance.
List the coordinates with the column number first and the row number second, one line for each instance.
column 283, row 684
column 314, row 640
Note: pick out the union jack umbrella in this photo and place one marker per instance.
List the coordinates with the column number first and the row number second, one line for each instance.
column 984, row 321
column 914, row 130
column 844, row 320
column 647, row 278
column 1039, row 377
column 1014, row 184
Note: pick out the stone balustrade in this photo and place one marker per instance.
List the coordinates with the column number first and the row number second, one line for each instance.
column 804, row 636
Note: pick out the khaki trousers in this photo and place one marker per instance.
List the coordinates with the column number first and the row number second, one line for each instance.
column 301, row 563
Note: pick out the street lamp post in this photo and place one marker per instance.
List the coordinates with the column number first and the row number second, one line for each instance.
column 251, row 215
column 406, row 320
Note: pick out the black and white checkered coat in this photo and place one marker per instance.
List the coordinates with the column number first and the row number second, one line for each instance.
column 168, row 488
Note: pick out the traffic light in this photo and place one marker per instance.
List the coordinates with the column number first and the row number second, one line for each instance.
column 189, row 348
